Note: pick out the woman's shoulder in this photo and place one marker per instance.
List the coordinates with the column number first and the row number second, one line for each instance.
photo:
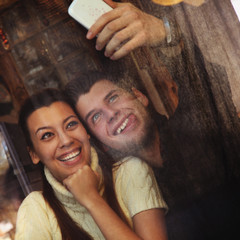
column 35, row 219
column 35, row 195
column 34, row 206
column 33, row 200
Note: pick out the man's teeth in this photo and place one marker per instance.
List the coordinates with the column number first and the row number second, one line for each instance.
column 70, row 156
column 122, row 127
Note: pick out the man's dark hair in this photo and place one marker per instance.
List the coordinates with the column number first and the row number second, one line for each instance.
column 77, row 87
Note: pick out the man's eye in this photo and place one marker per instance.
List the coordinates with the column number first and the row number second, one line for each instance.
column 46, row 135
column 72, row 124
column 113, row 98
column 96, row 117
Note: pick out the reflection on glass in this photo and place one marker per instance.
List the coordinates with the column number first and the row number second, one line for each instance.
column 11, row 193
column 3, row 155
column 5, row 224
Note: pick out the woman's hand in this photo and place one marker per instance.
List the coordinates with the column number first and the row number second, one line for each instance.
column 124, row 29
column 83, row 184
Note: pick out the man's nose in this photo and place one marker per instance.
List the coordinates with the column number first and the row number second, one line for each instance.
column 112, row 114
column 65, row 140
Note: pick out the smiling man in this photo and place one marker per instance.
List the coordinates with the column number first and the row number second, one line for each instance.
column 119, row 119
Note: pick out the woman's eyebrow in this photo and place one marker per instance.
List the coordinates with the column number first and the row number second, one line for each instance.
column 71, row 116
column 48, row 127
column 42, row 128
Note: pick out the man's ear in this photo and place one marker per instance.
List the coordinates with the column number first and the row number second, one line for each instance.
column 34, row 156
column 140, row 96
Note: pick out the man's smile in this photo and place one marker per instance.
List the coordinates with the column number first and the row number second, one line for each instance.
column 125, row 125
column 122, row 127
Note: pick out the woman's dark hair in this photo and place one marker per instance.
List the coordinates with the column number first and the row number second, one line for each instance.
column 69, row 229
column 43, row 98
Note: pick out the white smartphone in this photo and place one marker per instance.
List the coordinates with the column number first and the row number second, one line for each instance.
column 86, row 12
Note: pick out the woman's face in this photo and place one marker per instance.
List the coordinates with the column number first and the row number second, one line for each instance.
column 59, row 139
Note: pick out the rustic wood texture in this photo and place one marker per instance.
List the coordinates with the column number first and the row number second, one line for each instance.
column 41, row 35
column 6, row 3
column 214, row 27
column 13, row 80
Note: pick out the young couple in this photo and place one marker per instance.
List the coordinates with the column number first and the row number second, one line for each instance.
column 100, row 192
column 199, row 146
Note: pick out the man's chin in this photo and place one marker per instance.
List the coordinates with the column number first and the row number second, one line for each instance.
column 133, row 148
column 118, row 154
column 136, row 146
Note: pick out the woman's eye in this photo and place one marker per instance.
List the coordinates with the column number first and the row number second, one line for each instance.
column 46, row 135
column 72, row 124
column 95, row 117
column 113, row 98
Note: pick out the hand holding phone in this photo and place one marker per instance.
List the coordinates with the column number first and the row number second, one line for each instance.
column 130, row 27
column 86, row 12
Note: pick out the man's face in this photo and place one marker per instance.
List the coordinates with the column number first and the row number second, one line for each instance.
column 116, row 117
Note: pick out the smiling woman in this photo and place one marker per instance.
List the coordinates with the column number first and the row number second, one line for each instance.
column 51, row 130
column 76, row 192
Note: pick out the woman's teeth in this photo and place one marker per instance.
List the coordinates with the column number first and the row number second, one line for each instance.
column 122, row 127
column 70, row 156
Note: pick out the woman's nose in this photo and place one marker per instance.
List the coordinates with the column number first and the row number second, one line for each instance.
column 65, row 140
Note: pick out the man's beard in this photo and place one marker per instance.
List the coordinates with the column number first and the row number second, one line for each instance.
column 135, row 148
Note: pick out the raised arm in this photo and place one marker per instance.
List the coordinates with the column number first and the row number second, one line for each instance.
column 124, row 29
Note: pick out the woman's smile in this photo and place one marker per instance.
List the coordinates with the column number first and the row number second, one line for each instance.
column 69, row 157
